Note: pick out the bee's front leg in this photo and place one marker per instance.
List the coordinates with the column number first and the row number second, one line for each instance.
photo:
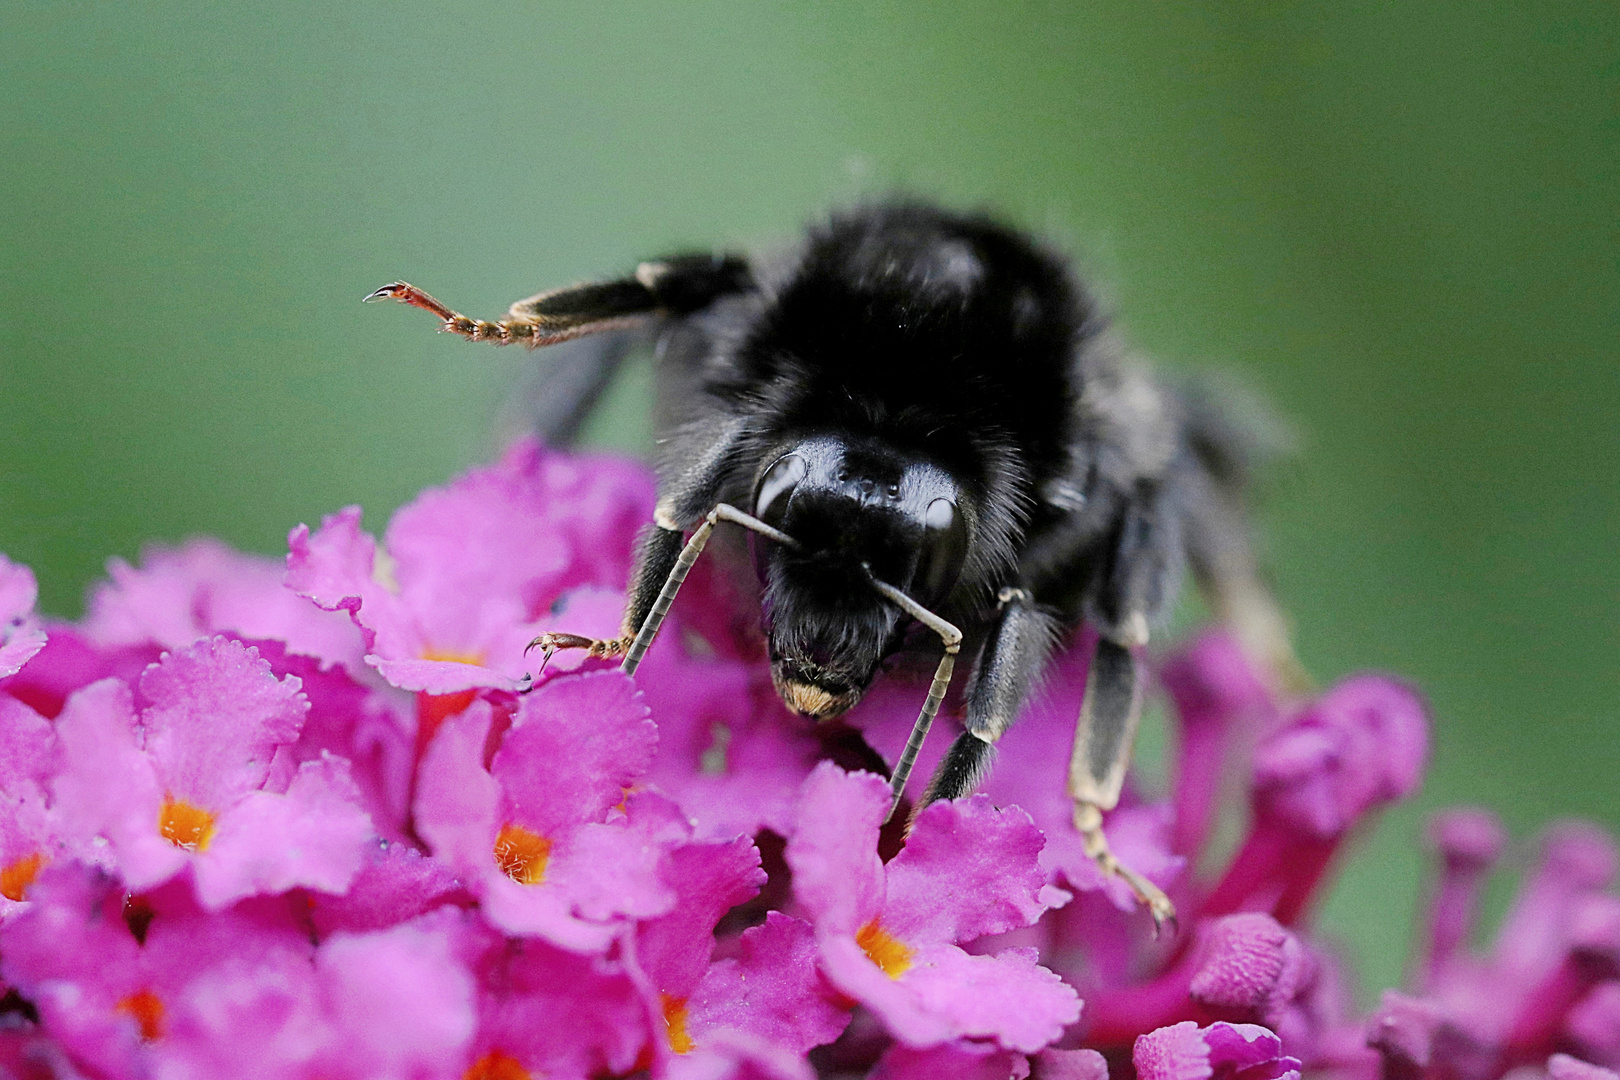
column 657, row 551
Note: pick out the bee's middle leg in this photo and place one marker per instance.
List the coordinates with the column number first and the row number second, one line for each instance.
column 1009, row 668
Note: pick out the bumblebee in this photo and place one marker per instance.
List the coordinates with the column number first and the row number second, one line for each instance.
column 931, row 431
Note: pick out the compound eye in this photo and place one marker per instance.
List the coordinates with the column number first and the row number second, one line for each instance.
column 944, row 549
column 776, row 487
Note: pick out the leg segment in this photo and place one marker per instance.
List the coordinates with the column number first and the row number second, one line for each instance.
column 662, row 563
column 1102, row 749
column 952, row 637
column 1011, row 665
column 683, row 566
column 660, row 548
column 675, row 286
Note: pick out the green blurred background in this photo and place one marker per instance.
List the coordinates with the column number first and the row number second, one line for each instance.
column 1397, row 222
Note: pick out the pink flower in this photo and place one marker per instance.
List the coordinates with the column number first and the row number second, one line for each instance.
column 1552, row 980
column 29, row 833
column 361, row 724
column 770, row 990
column 109, row 987
column 469, row 571
column 185, row 782
column 1243, row 955
column 203, row 588
column 183, row 992
column 890, row 936
column 728, row 751
column 228, row 848
column 546, row 836
column 1220, row 1051
column 548, row 1012
column 1029, row 771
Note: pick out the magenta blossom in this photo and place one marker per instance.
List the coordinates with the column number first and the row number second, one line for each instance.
column 1550, row 983
column 184, row 782
column 728, row 750
column 770, row 990
column 468, row 572
column 1028, row 773
column 188, row 993
column 202, row 588
column 29, row 832
column 890, row 936
column 1220, row 1051
column 232, row 843
column 547, row 835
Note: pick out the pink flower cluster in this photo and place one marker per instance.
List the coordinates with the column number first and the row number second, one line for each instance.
column 320, row 821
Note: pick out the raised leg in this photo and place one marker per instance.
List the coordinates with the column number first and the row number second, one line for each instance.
column 675, row 286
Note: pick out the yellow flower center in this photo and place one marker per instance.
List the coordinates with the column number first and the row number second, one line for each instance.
column 184, row 825
column 453, row 657
column 496, row 1066
column 883, row 949
column 15, row 877
column 147, row 1010
column 675, row 1023
column 522, row 855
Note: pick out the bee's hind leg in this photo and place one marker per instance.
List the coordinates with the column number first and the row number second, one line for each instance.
column 1102, row 750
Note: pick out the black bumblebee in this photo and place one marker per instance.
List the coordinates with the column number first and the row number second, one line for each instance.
column 929, row 427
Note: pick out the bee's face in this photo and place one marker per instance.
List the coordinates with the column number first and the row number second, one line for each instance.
column 855, row 510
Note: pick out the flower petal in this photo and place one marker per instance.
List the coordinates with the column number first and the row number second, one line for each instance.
column 204, row 587
column 20, row 635
column 1362, row 744
column 961, row 1060
column 576, row 743
column 1224, row 1051
column 772, row 988
column 401, row 1002
column 949, row 994
column 967, row 870
column 216, row 716
column 108, row 788
column 837, row 875
column 316, row 835
column 709, row 879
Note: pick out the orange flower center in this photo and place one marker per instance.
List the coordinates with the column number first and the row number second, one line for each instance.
column 675, row 1023
column 147, row 1010
column 522, row 855
column 496, row 1066
column 883, row 949
column 184, row 825
column 453, row 657
column 15, row 877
